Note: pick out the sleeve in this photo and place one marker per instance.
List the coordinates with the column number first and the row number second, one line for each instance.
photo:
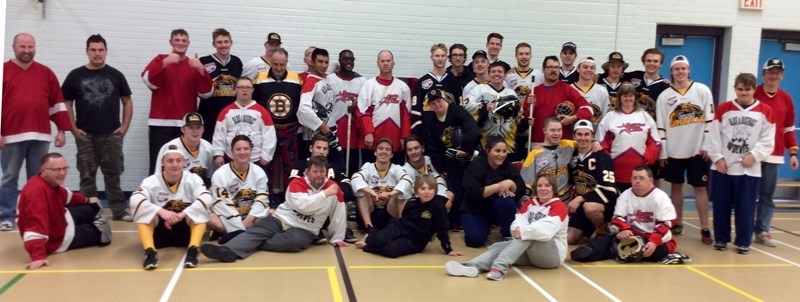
column 359, row 179
column 305, row 113
column 262, row 202
column 299, row 199
column 474, row 181
column 338, row 217
column 709, row 112
column 662, row 119
column 620, row 213
column 203, row 84
column 269, row 139
column 713, row 140
column 545, row 228
column 364, row 110
column 528, row 171
column 470, row 134
column 663, row 216
column 787, row 125
column 72, row 198
column 220, row 133
column 124, row 88
column 766, row 139
column 34, row 220
column 405, row 115
column 68, row 89
column 517, row 178
column 441, row 223
column 405, row 185
column 58, row 110
column 653, row 143
column 153, row 74
column 250, row 69
column 473, row 101
column 582, row 107
column 603, row 135
column 417, row 105
column 605, row 191
column 140, row 202
column 198, row 210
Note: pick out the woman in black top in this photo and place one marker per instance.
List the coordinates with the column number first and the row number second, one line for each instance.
column 492, row 187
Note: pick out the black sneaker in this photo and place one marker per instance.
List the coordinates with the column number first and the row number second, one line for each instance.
column 744, row 250
column 150, row 259
column 581, row 253
column 218, row 252
column 320, row 238
column 720, row 246
column 676, row 258
column 191, row 257
column 349, row 237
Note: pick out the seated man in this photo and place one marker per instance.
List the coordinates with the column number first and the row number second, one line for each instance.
column 643, row 211
column 378, row 185
column 240, row 192
column 198, row 157
column 593, row 185
column 171, row 209
column 296, row 222
column 53, row 219
column 319, row 146
column 417, row 164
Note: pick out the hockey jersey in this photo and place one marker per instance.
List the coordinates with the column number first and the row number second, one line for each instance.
column 395, row 178
column 457, row 130
column 683, row 120
column 592, row 177
column 522, row 82
column 419, row 102
column 569, row 76
column 238, row 194
column 427, row 169
column 492, row 123
column 631, row 139
column 549, row 161
column 598, row 98
column 316, row 105
column 175, row 90
column 649, row 216
column 647, row 90
column 307, row 208
column 223, row 77
column 44, row 223
column 280, row 96
column 256, row 65
column 251, row 120
column 737, row 131
column 547, row 98
column 200, row 161
column 468, row 88
column 783, row 115
column 383, row 110
column 543, row 221
column 189, row 195
column 31, row 99
column 612, row 89
column 345, row 91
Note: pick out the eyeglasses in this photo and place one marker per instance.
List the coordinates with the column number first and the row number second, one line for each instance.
column 64, row 169
column 552, row 67
column 244, row 87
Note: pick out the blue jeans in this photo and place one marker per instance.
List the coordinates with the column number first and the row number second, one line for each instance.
column 735, row 193
column 766, row 205
column 476, row 225
column 31, row 152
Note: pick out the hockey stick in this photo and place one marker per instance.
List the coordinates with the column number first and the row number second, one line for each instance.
column 349, row 131
column 530, row 120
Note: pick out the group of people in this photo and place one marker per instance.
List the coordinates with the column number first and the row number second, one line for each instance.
column 269, row 158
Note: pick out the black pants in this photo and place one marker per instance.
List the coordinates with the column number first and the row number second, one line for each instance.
column 158, row 136
column 605, row 247
column 392, row 242
column 178, row 237
column 86, row 234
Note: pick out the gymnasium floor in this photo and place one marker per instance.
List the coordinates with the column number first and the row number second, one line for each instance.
column 323, row 273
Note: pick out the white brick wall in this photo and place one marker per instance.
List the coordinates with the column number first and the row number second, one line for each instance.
column 137, row 30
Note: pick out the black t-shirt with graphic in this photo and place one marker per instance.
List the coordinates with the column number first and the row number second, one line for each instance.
column 96, row 95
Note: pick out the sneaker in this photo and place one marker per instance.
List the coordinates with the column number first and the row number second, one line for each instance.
column 191, row 257
column 677, row 229
column 349, row 237
column 454, row 268
column 581, row 253
column 150, row 259
column 102, row 225
column 6, row 226
column 765, row 238
column 495, row 275
column 123, row 217
column 218, row 252
column 676, row 258
column 720, row 246
column 744, row 250
column 320, row 238
column 705, row 235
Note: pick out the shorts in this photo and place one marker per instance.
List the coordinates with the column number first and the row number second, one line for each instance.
column 581, row 222
column 695, row 168
column 178, row 236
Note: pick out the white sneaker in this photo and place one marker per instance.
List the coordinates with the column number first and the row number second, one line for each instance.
column 454, row 268
column 765, row 239
column 6, row 226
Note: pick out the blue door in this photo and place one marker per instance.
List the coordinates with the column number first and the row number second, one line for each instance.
column 699, row 51
column 791, row 83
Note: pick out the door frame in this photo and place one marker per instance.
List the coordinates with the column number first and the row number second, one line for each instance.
column 717, row 32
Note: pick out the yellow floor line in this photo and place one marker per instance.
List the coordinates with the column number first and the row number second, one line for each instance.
column 66, row 271
column 677, row 266
column 335, row 290
column 726, row 285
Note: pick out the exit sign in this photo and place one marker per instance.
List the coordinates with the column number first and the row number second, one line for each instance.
column 751, row 4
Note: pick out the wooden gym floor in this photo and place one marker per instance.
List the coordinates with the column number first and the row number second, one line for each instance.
column 324, row 273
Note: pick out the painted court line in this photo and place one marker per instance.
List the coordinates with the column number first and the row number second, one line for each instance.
column 534, row 284
column 335, row 290
column 650, row 266
column 69, row 271
column 260, row 268
column 11, row 283
column 726, row 285
column 173, row 281
column 757, row 249
column 591, row 283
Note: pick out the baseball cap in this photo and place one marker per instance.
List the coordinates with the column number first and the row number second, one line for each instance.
column 583, row 124
column 586, row 60
column 679, row 59
column 479, row 53
column 615, row 57
column 192, row 118
column 773, row 62
column 435, row 94
column 569, row 45
column 274, row 37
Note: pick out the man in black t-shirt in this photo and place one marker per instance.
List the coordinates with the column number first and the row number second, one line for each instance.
column 224, row 70
column 97, row 90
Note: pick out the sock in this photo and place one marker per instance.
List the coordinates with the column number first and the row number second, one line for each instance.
column 146, row 234
column 197, row 230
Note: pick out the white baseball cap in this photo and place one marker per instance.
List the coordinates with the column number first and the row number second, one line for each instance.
column 679, row 59
column 583, row 124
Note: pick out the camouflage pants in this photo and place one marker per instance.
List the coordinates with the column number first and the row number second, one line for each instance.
column 104, row 151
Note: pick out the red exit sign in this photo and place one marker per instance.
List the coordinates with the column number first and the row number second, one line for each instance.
column 751, row 4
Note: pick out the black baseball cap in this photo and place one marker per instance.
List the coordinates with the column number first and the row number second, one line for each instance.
column 480, row 53
column 772, row 63
column 192, row 118
column 274, row 37
column 435, row 94
column 569, row 45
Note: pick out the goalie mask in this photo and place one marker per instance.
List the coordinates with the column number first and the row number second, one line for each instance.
column 630, row 249
column 507, row 107
column 565, row 108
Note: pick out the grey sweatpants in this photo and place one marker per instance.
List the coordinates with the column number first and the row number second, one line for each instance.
column 503, row 254
column 268, row 234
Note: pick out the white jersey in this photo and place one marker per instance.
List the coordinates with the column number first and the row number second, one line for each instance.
column 345, row 92
column 683, row 120
column 427, row 169
column 200, row 162
column 385, row 109
column 189, row 196
column 307, row 208
column 251, row 120
column 395, row 178
column 482, row 94
column 238, row 195
column 642, row 213
column 598, row 98
column 737, row 131
column 255, row 66
column 627, row 132
column 316, row 104
column 522, row 82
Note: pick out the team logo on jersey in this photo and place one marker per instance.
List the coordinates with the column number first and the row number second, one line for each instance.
column 613, row 102
column 647, row 104
column 451, row 137
column 280, row 105
column 243, row 200
column 200, row 171
column 426, row 84
column 541, row 163
column 672, row 100
column 347, row 97
column 224, row 85
column 598, row 114
column 584, row 182
column 535, row 216
column 513, row 82
column 636, row 82
column 374, row 180
column 522, row 92
column 426, row 214
column 162, row 197
column 565, row 108
column 742, row 128
column 210, row 67
column 631, row 127
column 391, row 99
column 685, row 114
column 323, row 110
column 176, row 205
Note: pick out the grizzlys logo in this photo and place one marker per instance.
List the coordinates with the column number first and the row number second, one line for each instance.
column 686, row 114
column 613, row 102
column 176, row 205
column 598, row 113
column 451, row 137
column 391, row 99
column 535, row 216
column 347, row 97
column 584, row 182
column 243, row 200
column 224, row 85
column 631, row 127
column 647, row 104
column 522, row 91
